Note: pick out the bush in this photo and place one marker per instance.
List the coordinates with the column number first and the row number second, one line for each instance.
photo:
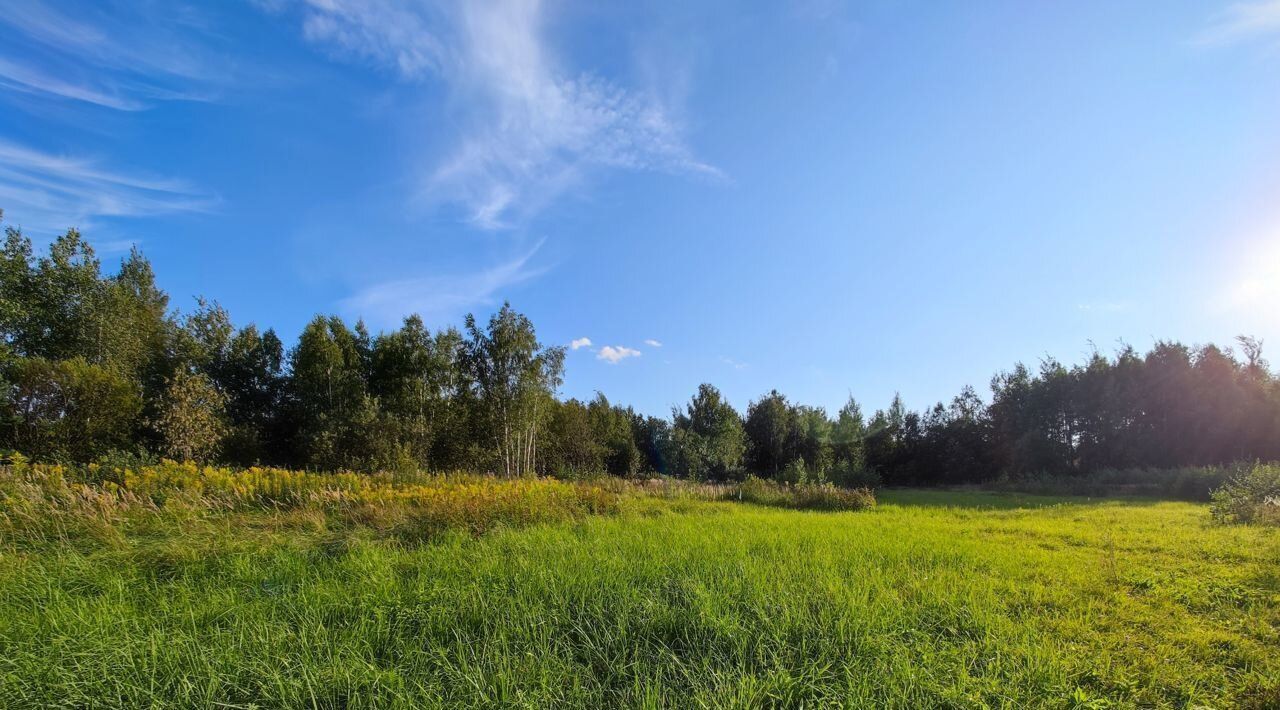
column 1252, row 496
column 795, row 473
column 1194, row 483
column 112, row 465
column 573, row 473
column 849, row 476
column 801, row 496
column 70, row 410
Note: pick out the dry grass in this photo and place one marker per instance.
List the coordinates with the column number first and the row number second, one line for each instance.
column 46, row 503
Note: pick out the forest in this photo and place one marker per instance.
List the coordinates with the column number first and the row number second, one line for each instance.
column 98, row 364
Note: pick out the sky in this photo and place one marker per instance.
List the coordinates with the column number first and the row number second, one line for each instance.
column 821, row 197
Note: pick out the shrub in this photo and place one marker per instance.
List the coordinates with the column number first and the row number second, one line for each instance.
column 794, row 473
column 70, row 409
column 192, row 418
column 1252, row 496
column 1193, row 483
column 112, row 465
column 574, row 473
column 801, row 496
column 850, row 476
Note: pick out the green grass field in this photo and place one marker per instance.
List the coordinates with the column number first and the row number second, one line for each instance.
column 932, row 599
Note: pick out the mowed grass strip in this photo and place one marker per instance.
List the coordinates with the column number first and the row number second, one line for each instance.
column 931, row 599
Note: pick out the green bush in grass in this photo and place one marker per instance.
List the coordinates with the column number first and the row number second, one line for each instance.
column 1252, row 496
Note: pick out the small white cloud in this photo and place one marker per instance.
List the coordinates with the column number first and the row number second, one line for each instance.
column 580, row 343
column 614, row 354
column 1242, row 21
column 653, row 343
column 733, row 363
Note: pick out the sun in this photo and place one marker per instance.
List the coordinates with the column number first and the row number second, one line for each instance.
column 1254, row 289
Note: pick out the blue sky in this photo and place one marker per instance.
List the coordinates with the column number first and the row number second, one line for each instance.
column 820, row 197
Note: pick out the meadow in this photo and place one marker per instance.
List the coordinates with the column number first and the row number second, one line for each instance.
column 235, row 593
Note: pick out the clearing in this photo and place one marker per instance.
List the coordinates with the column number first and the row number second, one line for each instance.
column 931, row 599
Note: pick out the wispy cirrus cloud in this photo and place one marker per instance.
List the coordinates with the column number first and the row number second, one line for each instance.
column 29, row 80
column 119, row 56
column 733, row 363
column 533, row 127
column 47, row 193
column 1242, row 21
column 653, row 343
column 441, row 298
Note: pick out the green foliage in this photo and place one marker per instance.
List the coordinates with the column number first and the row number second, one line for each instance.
column 850, row 475
column 336, row 419
column 133, row 330
column 251, row 377
column 707, row 439
column 192, row 418
column 1191, row 483
column 486, row 399
column 16, row 286
column 773, row 434
column 57, row 302
column 796, row 472
column 1252, row 496
column 61, row 307
column 514, row 379
column 414, row 378
column 653, row 437
column 613, row 428
column 69, row 409
column 887, row 440
column 571, row 450
column 779, row 433
column 803, row 495
column 848, row 437
column 815, row 431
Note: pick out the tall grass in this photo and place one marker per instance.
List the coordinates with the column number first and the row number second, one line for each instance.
column 42, row 503
column 929, row 600
column 808, row 496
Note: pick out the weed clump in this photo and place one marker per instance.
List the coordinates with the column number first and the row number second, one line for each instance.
column 42, row 503
column 1252, row 496
column 802, row 496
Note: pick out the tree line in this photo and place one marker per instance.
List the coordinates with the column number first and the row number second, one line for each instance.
column 93, row 363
